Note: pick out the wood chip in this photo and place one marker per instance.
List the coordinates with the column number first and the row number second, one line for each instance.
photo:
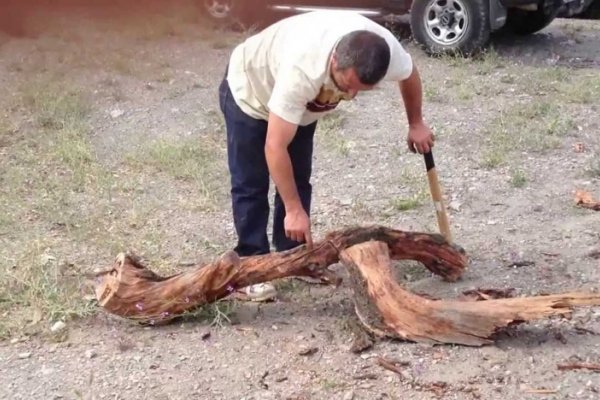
column 391, row 365
column 579, row 147
column 566, row 367
column 585, row 200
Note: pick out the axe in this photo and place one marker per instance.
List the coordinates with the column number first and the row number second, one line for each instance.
column 436, row 195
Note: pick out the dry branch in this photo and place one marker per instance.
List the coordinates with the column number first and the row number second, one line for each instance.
column 388, row 310
column 130, row 290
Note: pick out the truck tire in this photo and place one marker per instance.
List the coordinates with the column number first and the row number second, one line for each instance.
column 234, row 11
column 450, row 26
column 524, row 22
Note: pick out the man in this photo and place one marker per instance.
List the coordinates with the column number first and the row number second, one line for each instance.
column 278, row 83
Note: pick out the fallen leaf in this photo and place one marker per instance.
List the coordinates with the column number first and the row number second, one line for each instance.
column 585, row 200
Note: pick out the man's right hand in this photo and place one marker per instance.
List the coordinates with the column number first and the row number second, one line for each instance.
column 297, row 226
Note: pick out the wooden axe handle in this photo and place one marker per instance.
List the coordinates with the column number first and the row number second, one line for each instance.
column 436, row 195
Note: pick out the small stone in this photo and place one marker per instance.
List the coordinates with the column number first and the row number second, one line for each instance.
column 90, row 353
column 454, row 205
column 346, row 202
column 23, row 356
column 58, row 326
column 46, row 370
column 116, row 113
column 349, row 395
column 14, row 341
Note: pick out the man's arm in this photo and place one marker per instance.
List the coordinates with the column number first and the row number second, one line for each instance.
column 279, row 135
column 420, row 138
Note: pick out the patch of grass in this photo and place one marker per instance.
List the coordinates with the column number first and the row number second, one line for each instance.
column 487, row 62
column 493, row 158
column 217, row 314
column 52, row 187
column 187, row 160
column 593, row 168
column 55, row 106
column 121, row 64
column 534, row 127
column 329, row 384
column 329, row 129
column 191, row 159
column 408, row 203
column 39, row 288
column 518, row 178
column 566, row 85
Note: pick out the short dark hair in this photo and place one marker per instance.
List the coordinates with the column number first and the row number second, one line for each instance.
column 366, row 52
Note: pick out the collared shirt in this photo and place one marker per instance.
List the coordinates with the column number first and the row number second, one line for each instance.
column 284, row 69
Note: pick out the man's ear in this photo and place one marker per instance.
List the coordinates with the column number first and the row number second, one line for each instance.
column 334, row 61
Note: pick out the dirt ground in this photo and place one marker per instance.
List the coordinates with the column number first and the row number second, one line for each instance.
column 111, row 139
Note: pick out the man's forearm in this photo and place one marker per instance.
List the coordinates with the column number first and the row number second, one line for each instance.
column 412, row 94
column 280, row 168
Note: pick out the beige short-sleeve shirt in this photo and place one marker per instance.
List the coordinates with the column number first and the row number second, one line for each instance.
column 284, row 69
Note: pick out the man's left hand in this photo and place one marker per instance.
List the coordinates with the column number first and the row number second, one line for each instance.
column 420, row 138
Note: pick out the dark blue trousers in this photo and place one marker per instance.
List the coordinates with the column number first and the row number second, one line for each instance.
column 250, row 177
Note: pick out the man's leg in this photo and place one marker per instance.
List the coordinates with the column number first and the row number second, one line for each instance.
column 300, row 150
column 249, row 176
column 249, row 186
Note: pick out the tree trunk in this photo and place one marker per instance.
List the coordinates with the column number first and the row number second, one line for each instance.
column 386, row 309
column 130, row 290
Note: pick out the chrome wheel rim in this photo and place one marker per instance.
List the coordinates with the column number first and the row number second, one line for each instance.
column 218, row 8
column 446, row 21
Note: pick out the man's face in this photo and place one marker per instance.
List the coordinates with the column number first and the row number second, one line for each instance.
column 347, row 80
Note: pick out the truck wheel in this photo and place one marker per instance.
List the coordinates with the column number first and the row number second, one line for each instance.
column 450, row 26
column 227, row 11
column 524, row 22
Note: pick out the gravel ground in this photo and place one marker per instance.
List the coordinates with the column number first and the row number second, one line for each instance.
column 518, row 133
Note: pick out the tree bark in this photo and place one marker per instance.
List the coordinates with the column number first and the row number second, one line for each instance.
column 388, row 310
column 130, row 290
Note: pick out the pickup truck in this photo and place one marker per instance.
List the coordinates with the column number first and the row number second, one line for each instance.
column 439, row 26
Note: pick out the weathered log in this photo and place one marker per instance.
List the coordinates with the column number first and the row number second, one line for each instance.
column 388, row 310
column 130, row 290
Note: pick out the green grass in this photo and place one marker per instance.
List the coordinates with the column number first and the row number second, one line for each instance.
column 46, row 184
column 40, row 288
column 329, row 130
column 518, row 178
column 405, row 204
column 535, row 127
column 593, row 168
